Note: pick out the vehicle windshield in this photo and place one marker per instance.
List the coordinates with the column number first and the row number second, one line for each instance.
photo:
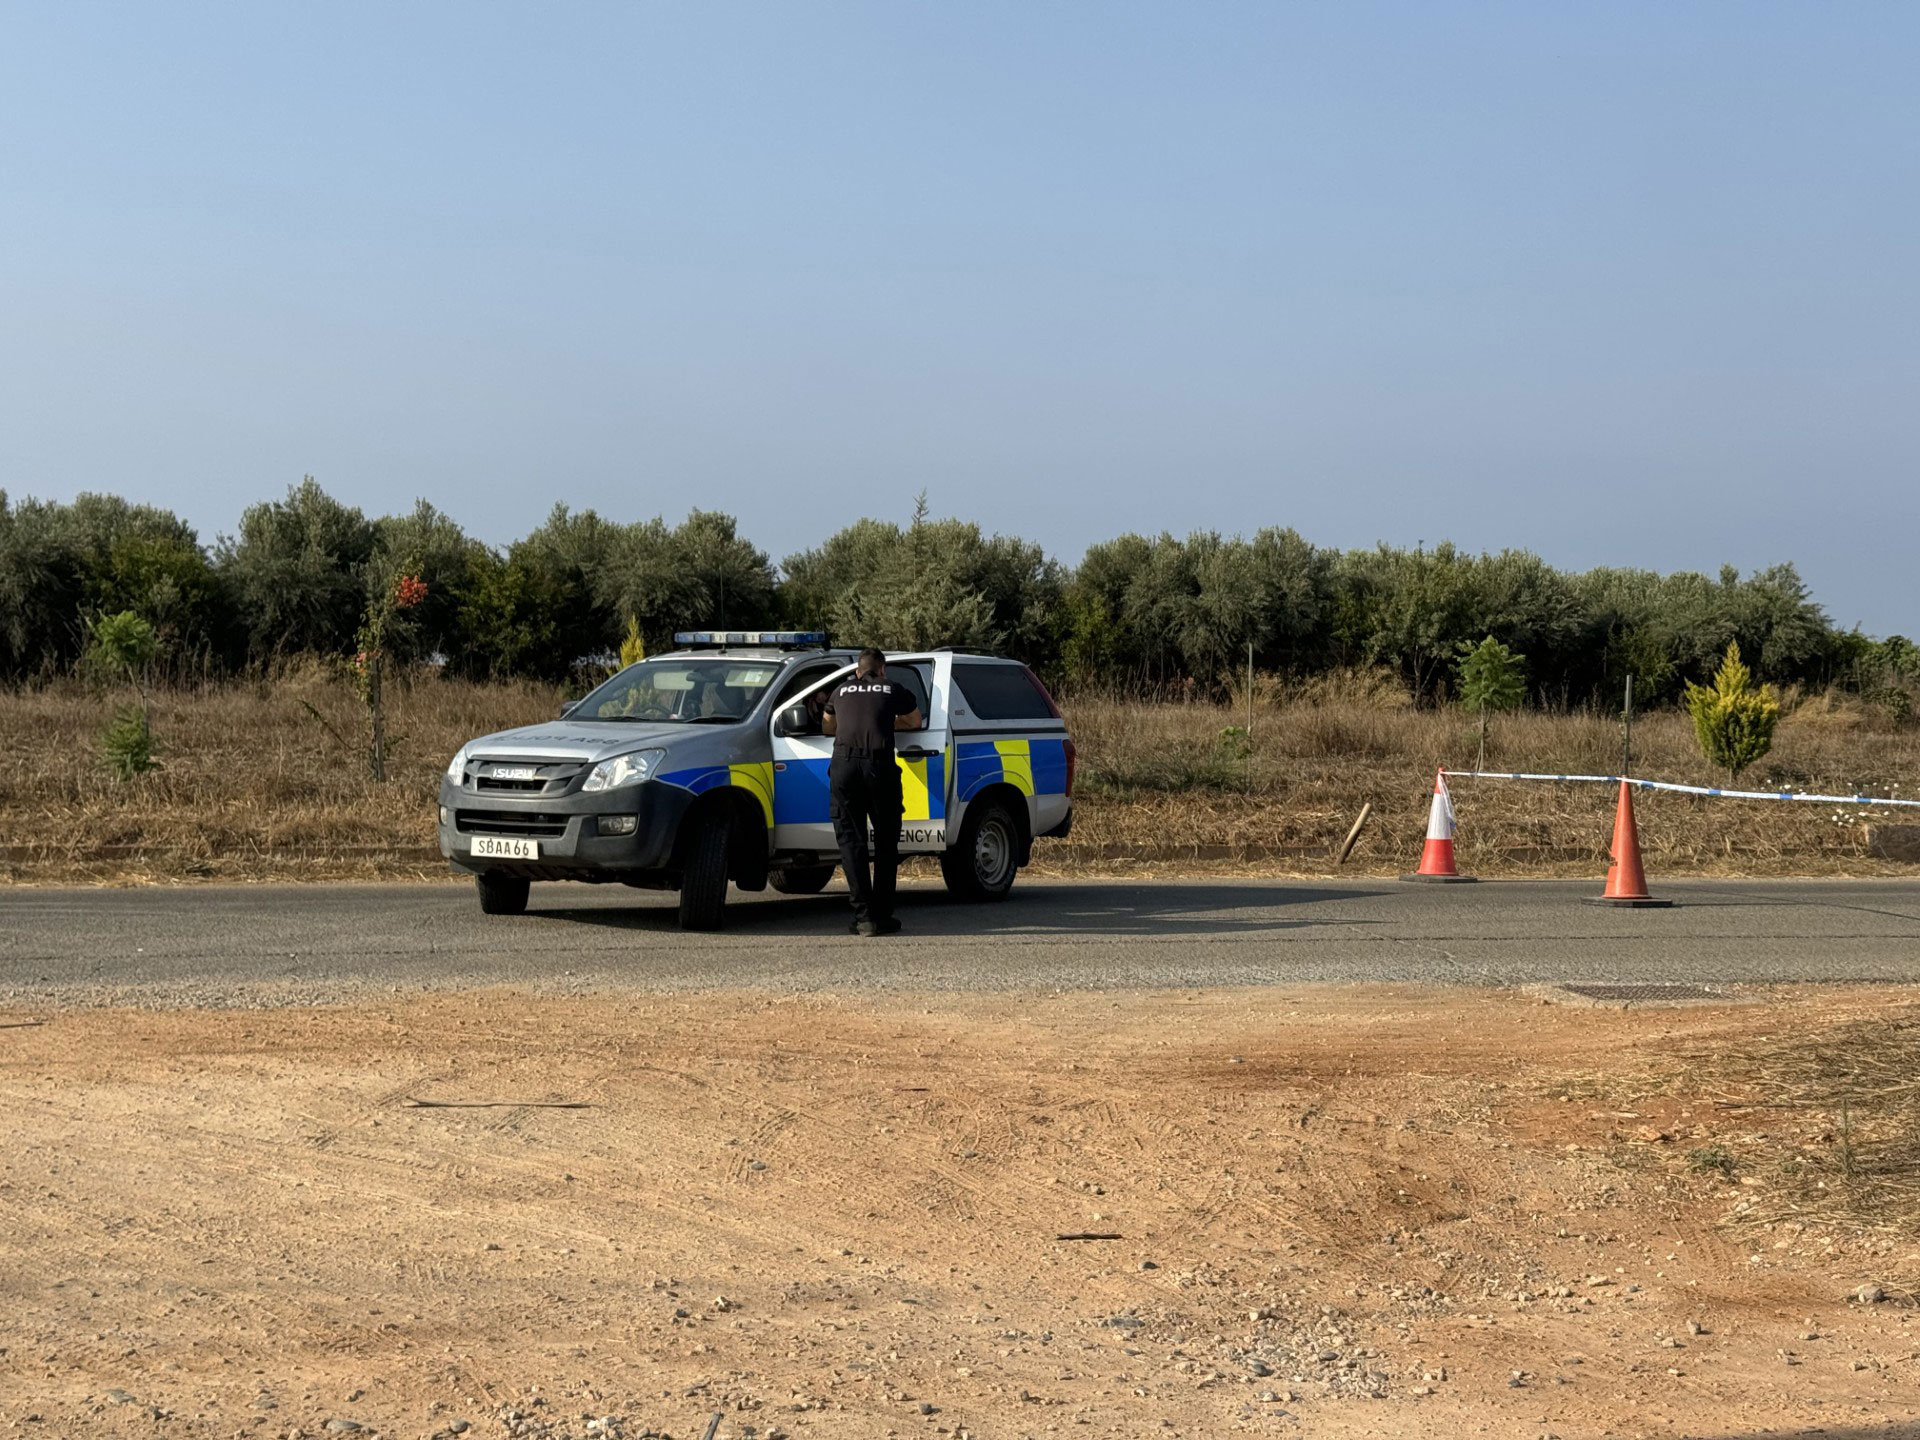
column 688, row 692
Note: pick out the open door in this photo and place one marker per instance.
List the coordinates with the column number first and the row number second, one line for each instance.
column 802, row 816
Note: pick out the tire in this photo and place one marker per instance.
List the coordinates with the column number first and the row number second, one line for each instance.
column 703, row 884
column 983, row 864
column 802, row 879
column 502, row 894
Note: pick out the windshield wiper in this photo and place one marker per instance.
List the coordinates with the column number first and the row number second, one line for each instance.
column 716, row 719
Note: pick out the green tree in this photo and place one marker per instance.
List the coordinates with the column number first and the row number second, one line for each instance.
column 733, row 580
column 1410, row 609
column 1490, row 677
column 40, row 588
column 516, row 618
column 935, row 582
column 61, row 563
column 561, row 575
column 124, row 646
column 1733, row 721
column 297, row 572
column 430, row 546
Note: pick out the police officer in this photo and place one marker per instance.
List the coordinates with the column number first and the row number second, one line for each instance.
column 864, row 783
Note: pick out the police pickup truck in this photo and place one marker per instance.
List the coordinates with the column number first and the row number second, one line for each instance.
column 708, row 765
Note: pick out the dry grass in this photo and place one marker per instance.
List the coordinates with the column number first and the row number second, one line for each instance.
column 1166, row 777
column 1840, row 1111
column 254, row 787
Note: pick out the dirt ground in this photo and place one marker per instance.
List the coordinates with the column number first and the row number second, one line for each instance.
column 1334, row 1212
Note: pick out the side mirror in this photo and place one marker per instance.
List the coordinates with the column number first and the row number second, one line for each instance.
column 795, row 720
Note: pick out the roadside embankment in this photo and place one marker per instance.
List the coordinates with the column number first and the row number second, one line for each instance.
column 268, row 781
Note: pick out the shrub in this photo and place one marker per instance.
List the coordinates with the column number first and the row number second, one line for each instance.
column 1490, row 678
column 127, row 743
column 633, row 649
column 124, row 645
column 1733, row 722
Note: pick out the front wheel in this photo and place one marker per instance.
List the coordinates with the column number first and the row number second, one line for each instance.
column 703, row 885
column 983, row 864
column 502, row 894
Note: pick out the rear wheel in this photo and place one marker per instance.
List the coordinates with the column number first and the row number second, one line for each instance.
column 983, row 864
column 502, row 894
column 703, row 885
column 802, row 880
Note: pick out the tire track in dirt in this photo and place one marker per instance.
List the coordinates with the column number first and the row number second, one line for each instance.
column 998, row 1115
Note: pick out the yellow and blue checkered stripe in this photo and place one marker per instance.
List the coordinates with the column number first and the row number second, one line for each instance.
column 802, row 798
column 756, row 779
column 1033, row 767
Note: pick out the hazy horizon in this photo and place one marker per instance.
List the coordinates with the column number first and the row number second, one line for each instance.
column 1628, row 286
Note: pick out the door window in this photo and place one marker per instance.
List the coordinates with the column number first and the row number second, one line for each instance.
column 915, row 680
column 1003, row 692
column 803, row 679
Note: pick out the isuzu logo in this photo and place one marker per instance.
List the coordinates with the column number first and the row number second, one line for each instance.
column 514, row 772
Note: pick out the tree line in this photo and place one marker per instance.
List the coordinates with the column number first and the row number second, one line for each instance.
column 1138, row 614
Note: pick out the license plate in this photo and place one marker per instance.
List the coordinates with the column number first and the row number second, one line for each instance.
column 502, row 847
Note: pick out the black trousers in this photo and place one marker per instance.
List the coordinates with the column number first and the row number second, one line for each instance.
column 865, row 790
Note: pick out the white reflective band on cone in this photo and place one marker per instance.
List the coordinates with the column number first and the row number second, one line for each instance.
column 1440, row 818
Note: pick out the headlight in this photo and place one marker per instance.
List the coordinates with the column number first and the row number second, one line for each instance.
column 457, row 767
column 624, row 770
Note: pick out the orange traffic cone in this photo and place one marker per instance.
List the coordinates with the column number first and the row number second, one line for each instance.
column 1626, row 881
column 1436, row 860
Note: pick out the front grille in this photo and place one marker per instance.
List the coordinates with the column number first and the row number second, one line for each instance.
column 555, row 777
column 508, row 822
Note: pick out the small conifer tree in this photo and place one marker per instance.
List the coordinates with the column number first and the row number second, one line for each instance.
column 1731, row 719
column 633, row 649
column 1491, row 678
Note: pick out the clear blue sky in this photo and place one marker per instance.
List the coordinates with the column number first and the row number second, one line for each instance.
column 1630, row 284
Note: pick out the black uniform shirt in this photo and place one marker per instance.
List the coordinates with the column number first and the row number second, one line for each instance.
column 863, row 711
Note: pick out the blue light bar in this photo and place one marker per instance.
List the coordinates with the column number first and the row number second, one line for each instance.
column 777, row 639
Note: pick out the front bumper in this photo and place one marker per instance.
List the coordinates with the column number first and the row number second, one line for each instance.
column 566, row 829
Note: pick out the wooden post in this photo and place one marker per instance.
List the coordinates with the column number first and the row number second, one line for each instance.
column 1353, row 835
column 378, row 755
column 1626, row 734
column 1249, row 716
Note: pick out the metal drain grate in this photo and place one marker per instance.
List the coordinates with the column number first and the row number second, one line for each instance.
column 1643, row 993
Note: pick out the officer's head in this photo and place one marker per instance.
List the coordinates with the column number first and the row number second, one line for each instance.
column 872, row 662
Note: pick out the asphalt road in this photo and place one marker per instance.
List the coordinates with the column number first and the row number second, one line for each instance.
column 265, row 945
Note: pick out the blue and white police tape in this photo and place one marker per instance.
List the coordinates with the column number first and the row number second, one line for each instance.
column 1686, row 789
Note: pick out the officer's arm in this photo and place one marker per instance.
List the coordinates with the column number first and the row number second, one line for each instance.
column 826, row 720
column 906, row 710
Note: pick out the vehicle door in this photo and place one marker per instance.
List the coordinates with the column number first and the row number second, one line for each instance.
column 802, row 818
column 924, row 755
